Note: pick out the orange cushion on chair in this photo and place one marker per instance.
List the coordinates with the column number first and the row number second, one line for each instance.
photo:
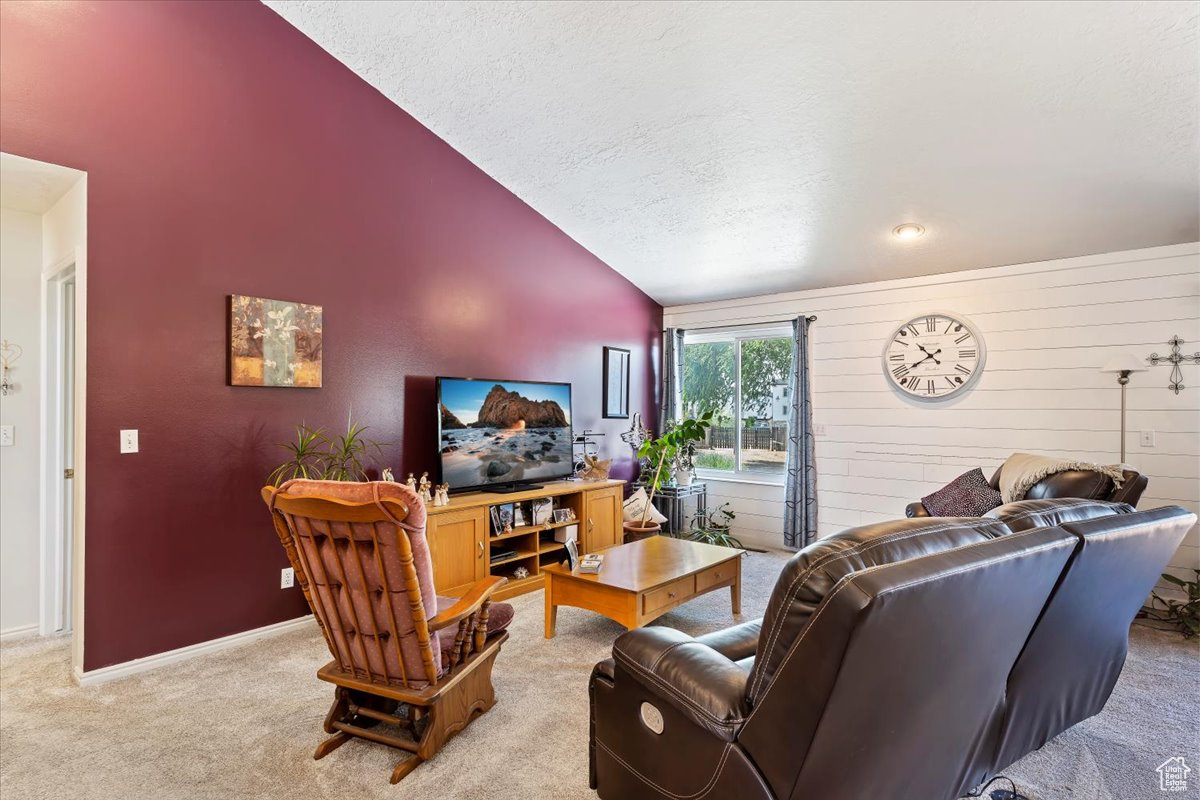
column 500, row 615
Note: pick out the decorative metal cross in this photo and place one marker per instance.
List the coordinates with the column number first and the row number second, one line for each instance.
column 1175, row 359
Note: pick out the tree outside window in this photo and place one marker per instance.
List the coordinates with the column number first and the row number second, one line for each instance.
column 744, row 379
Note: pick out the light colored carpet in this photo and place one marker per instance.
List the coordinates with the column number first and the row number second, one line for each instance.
column 243, row 723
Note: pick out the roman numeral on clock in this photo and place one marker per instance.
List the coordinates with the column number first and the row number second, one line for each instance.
column 966, row 353
column 931, row 324
column 900, row 371
column 929, row 386
column 962, row 369
column 896, row 357
column 914, row 330
column 962, row 338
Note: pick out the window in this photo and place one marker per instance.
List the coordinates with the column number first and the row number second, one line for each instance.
column 742, row 375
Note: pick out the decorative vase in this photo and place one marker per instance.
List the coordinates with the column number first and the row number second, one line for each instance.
column 683, row 477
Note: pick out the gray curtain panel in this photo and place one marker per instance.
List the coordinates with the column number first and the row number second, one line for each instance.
column 800, row 498
column 672, row 378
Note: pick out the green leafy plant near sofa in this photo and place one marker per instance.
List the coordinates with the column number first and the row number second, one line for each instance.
column 713, row 527
column 316, row 455
column 1183, row 614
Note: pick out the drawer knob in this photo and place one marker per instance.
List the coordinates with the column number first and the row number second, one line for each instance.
column 717, row 575
column 670, row 595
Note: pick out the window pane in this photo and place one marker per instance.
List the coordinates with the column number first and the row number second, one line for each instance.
column 765, row 404
column 708, row 383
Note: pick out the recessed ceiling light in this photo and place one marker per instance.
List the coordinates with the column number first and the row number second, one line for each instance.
column 909, row 230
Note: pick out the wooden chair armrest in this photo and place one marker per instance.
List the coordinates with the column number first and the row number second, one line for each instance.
column 468, row 604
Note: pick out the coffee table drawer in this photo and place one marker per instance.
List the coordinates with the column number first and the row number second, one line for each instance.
column 714, row 576
column 674, row 592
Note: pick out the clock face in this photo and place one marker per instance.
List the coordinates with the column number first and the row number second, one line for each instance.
column 934, row 357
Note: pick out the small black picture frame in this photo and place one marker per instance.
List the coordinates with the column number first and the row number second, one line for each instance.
column 616, row 383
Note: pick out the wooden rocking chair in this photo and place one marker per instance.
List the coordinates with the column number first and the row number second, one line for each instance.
column 362, row 561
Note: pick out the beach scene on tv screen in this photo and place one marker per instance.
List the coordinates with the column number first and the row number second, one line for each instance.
column 504, row 431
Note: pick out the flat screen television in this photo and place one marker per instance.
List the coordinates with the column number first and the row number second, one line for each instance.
column 503, row 435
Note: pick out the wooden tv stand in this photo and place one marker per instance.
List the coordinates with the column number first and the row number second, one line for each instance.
column 461, row 540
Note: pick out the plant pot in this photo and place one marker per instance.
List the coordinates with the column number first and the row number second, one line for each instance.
column 683, row 477
column 635, row 532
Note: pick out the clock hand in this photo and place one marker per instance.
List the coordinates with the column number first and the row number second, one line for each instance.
column 928, row 356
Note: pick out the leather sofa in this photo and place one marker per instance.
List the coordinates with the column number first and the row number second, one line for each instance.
column 1071, row 483
column 908, row 659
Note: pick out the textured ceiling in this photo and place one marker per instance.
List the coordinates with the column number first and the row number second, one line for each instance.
column 33, row 186
column 716, row 150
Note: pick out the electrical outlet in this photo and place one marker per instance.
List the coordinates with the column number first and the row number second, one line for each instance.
column 818, row 430
column 6, row 435
column 1147, row 438
column 287, row 578
column 129, row 441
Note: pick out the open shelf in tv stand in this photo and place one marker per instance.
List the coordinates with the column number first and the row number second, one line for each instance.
column 461, row 540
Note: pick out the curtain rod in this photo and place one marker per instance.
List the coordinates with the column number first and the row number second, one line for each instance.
column 810, row 318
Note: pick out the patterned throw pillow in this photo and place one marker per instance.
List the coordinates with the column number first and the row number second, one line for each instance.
column 968, row 495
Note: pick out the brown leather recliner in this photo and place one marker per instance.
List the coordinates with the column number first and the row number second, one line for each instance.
column 1071, row 483
column 911, row 659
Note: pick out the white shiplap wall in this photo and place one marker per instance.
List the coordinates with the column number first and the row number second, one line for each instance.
column 1048, row 326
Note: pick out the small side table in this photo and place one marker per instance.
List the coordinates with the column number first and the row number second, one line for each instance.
column 680, row 503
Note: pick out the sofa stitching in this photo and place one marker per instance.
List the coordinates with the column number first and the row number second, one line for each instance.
column 828, row 559
column 708, row 787
column 847, row 581
column 1069, row 502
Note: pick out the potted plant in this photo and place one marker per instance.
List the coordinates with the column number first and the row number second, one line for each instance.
column 660, row 453
column 318, row 456
column 713, row 528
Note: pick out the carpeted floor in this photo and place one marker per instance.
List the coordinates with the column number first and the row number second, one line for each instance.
column 243, row 723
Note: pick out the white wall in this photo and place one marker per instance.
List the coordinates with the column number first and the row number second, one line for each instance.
column 1048, row 326
column 20, row 323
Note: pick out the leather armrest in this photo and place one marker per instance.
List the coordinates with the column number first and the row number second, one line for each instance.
column 916, row 509
column 735, row 643
column 1131, row 489
column 696, row 680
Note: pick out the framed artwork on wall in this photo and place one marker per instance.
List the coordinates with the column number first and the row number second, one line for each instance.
column 274, row 343
column 616, row 383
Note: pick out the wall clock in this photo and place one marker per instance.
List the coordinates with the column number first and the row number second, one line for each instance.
column 934, row 357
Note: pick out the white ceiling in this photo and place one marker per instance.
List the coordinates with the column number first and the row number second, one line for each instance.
column 33, row 186
column 726, row 149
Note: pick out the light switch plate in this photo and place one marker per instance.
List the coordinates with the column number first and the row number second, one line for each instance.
column 129, row 441
column 6, row 436
column 1147, row 438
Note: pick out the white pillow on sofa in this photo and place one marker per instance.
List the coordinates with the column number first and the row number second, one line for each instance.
column 636, row 504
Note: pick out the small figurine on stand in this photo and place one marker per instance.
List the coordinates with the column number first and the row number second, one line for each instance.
column 520, row 573
column 441, row 494
column 411, row 482
column 423, row 488
column 387, row 475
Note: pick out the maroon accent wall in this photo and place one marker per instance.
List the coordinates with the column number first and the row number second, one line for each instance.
column 227, row 153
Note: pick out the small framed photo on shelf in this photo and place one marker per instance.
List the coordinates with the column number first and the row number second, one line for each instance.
column 541, row 510
column 494, row 512
column 519, row 515
column 505, row 513
column 564, row 514
column 572, row 555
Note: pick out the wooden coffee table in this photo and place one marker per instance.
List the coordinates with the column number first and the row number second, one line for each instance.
column 644, row 580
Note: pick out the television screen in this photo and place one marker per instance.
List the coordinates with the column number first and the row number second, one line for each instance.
column 493, row 432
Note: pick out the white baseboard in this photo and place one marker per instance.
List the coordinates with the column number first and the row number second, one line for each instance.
column 18, row 632
column 111, row 673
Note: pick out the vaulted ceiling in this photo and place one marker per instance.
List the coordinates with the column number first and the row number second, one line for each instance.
column 711, row 150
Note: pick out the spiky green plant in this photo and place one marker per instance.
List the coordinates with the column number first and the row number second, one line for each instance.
column 307, row 456
column 317, row 456
column 662, row 451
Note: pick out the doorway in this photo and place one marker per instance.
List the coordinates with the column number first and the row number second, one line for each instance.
column 43, row 267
